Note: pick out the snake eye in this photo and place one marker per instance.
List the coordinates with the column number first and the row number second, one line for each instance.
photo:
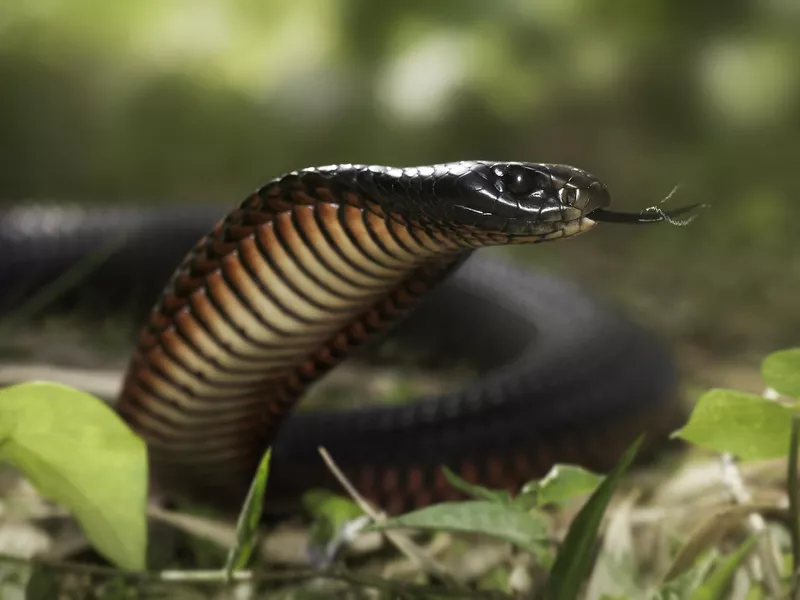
column 520, row 181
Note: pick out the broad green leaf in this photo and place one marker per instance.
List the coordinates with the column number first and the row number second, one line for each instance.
column 561, row 484
column 475, row 516
column 476, row 491
column 249, row 518
column 574, row 560
column 781, row 371
column 78, row 452
column 745, row 425
column 717, row 584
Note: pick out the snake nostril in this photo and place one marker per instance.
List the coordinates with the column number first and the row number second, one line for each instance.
column 597, row 196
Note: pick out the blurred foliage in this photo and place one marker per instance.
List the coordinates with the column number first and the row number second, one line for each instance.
column 178, row 100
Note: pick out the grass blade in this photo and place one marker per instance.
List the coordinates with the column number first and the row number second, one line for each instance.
column 707, row 535
column 794, row 504
column 249, row 518
column 574, row 560
column 42, row 584
column 717, row 584
column 63, row 284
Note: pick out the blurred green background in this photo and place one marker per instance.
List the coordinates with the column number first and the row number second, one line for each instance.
column 203, row 100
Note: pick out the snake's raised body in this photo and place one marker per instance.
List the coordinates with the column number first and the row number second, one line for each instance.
column 316, row 262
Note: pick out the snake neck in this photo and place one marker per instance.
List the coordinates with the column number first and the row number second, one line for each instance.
column 275, row 296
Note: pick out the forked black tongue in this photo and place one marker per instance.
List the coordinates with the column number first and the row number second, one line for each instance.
column 651, row 214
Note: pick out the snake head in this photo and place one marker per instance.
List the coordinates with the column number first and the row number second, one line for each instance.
column 521, row 200
column 495, row 202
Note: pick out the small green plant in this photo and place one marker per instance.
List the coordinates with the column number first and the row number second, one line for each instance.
column 79, row 453
column 743, row 425
column 746, row 425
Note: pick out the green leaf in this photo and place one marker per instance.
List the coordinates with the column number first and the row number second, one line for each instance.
column 574, row 560
column 330, row 511
column 781, row 372
column 561, row 484
column 497, row 579
column 78, row 452
column 475, row 516
column 249, row 518
column 747, row 426
column 717, row 584
column 335, row 507
column 476, row 491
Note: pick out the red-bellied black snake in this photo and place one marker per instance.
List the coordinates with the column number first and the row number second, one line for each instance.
column 317, row 262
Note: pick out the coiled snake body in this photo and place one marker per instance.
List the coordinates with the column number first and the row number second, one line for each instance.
column 317, row 262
